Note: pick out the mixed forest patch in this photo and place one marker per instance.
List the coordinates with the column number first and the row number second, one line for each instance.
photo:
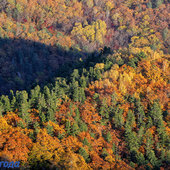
column 85, row 84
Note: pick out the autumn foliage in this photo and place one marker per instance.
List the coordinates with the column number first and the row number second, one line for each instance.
column 110, row 109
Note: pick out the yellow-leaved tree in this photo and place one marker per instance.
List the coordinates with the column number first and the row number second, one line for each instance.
column 92, row 33
column 46, row 149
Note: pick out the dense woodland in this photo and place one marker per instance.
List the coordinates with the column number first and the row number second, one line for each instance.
column 84, row 84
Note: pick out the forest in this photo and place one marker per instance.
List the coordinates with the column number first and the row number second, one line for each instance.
column 84, row 84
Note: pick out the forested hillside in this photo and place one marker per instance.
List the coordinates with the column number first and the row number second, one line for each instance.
column 72, row 25
column 84, row 84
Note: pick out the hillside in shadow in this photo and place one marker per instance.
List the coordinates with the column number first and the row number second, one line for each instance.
column 24, row 63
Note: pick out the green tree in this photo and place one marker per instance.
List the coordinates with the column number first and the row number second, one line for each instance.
column 140, row 159
column 104, row 109
column 84, row 154
column 163, row 155
column 42, row 107
column 133, row 62
column 22, row 98
column 131, row 137
column 36, row 127
column 139, row 111
column 149, row 122
column 165, row 33
column 59, row 91
column 149, row 4
column 74, row 129
column 114, row 149
column 83, row 126
column 85, row 142
column 75, row 75
column 158, row 3
column 50, row 130
column 118, row 117
column 47, row 93
column 131, row 118
column 82, row 96
column 149, row 141
column 21, row 124
column 161, row 130
column 152, row 157
column 50, row 114
column 91, row 73
column 97, row 74
column 140, row 134
column 108, row 137
column 77, row 112
column 128, row 128
column 12, row 100
column 132, row 141
column 68, row 127
column 1, row 108
column 167, row 157
column 155, row 113
column 83, row 82
column 75, row 89
column 104, row 153
column 6, row 103
column 34, row 96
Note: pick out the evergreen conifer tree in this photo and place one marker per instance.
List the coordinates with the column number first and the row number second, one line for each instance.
column 85, row 142
column 156, row 113
column 118, row 117
column 42, row 107
column 130, row 118
column 68, row 127
column 74, row 129
column 24, row 106
column 34, row 96
column 50, row 114
column 75, row 88
column 84, row 154
column 139, row 111
column 1, row 109
column 104, row 153
column 75, row 75
column 104, row 110
column 50, row 130
column 83, row 82
column 83, row 127
column 6, row 103
column 12, row 100
column 108, row 137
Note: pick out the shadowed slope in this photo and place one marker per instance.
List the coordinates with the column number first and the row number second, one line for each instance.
column 24, row 63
